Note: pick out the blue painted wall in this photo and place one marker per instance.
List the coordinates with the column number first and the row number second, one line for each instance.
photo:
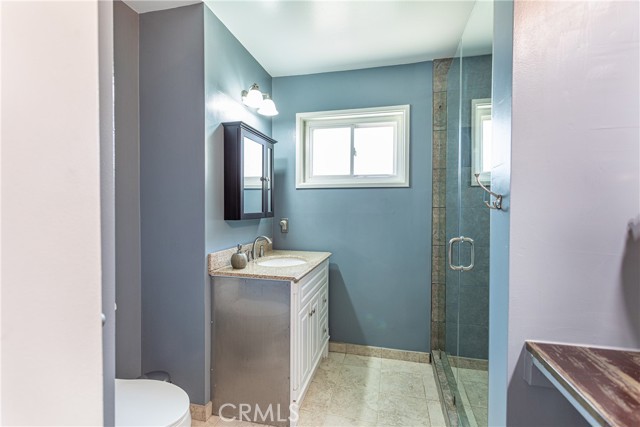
column 193, row 71
column 500, row 220
column 467, row 294
column 380, row 270
column 229, row 69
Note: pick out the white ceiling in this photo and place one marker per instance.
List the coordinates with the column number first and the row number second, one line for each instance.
column 314, row 36
column 478, row 34
column 143, row 6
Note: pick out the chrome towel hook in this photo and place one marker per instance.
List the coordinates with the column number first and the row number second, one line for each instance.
column 497, row 203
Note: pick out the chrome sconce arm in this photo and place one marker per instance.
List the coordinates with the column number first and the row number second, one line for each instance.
column 497, row 203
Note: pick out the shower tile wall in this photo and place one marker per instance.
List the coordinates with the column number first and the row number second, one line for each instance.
column 467, row 305
column 438, row 268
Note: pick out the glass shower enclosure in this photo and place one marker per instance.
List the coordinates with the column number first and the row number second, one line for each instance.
column 462, row 358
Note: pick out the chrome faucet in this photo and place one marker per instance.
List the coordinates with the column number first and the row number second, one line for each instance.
column 253, row 249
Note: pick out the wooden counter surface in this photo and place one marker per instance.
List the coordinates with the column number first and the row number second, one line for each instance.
column 605, row 382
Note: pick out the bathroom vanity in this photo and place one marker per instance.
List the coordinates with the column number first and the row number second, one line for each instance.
column 270, row 331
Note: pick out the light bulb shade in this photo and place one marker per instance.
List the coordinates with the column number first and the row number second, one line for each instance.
column 268, row 107
column 253, row 98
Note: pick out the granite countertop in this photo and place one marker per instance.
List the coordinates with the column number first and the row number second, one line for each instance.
column 291, row 274
column 605, row 382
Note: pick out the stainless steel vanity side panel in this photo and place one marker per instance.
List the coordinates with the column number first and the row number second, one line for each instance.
column 250, row 349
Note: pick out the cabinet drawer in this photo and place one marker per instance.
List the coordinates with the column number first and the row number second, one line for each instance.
column 310, row 284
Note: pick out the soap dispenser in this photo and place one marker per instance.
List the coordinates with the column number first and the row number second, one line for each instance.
column 239, row 259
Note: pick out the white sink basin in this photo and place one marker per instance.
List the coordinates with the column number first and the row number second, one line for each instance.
column 281, row 262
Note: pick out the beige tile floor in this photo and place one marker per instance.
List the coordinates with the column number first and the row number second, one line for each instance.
column 350, row 390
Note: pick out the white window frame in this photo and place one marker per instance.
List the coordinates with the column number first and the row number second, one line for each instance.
column 480, row 111
column 398, row 116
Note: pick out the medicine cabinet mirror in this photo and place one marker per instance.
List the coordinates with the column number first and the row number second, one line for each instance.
column 248, row 172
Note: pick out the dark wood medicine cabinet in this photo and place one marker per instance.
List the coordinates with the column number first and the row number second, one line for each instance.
column 248, row 172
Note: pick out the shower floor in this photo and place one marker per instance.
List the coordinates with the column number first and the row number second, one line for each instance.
column 473, row 388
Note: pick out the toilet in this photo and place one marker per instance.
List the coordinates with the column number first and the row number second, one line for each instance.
column 143, row 402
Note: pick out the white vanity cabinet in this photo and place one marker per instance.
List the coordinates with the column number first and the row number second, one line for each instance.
column 310, row 327
column 269, row 333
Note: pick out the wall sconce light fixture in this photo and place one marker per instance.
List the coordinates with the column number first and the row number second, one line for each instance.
column 262, row 101
column 268, row 107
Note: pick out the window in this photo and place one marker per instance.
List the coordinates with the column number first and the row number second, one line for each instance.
column 481, row 136
column 367, row 147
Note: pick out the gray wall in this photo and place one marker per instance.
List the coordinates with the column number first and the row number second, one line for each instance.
column 467, row 294
column 107, row 207
column 380, row 270
column 127, row 182
column 575, row 187
column 172, row 196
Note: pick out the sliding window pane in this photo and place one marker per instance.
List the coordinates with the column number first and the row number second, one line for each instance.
column 374, row 150
column 331, row 152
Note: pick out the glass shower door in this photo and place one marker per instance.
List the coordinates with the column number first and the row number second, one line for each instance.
column 468, row 153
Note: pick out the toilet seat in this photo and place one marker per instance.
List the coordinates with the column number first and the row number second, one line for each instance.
column 151, row 403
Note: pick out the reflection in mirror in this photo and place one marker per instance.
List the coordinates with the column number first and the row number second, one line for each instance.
column 252, row 175
column 481, row 134
column 269, row 183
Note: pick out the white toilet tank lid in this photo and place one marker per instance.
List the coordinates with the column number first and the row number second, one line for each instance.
column 149, row 403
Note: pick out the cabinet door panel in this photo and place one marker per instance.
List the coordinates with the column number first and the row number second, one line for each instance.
column 314, row 330
column 304, row 340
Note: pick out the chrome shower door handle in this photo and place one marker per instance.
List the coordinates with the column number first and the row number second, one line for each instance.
column 461, row 239
column 451, row 266
column 470, row 241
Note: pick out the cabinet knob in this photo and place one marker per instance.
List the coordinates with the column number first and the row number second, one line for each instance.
column 324, row 300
